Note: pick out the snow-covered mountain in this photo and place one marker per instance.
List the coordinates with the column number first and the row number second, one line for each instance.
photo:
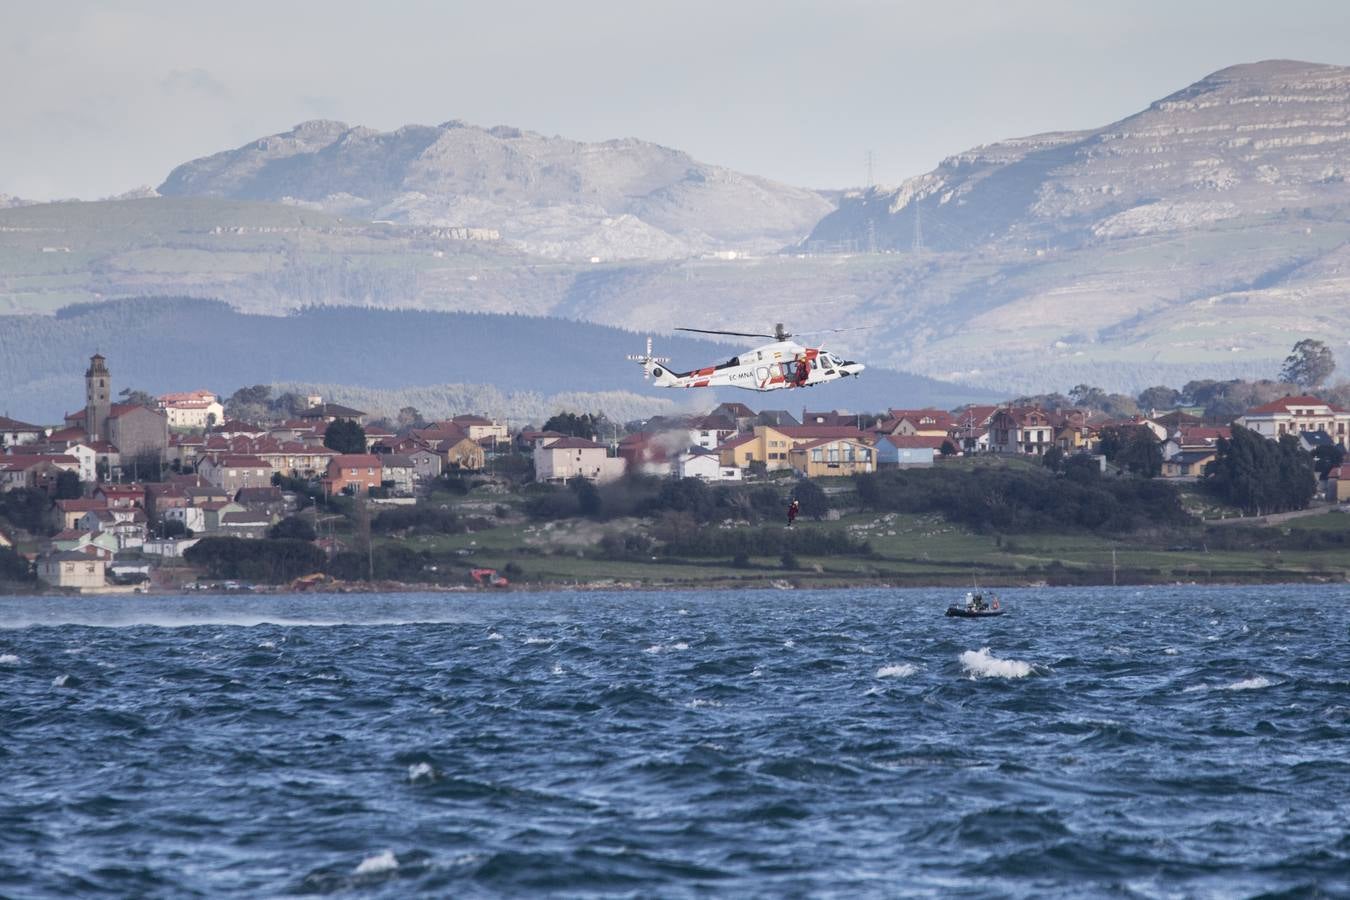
column 620, row 199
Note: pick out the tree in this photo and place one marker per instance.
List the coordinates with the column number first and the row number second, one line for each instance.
column 1053, row 459
column 344, row 436
column 13, row 567
column 248, row 403
column 410, row 417
column 1309, row 364
column 173, row 528
column 1158, row 397
column 1261, row 476
column 68, row 486
column 140, row 398
column 813, row 499
column 292, row 528
column 585, row 426
column 1133, row 448
column 1088, row 396
column 589, row 502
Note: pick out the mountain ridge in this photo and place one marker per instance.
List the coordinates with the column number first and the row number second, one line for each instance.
column 550, row 196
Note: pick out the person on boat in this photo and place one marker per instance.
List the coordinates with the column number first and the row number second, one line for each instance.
column 977, row 603
column 793, row 508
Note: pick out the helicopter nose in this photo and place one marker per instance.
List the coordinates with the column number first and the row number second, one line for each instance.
column 854, row 369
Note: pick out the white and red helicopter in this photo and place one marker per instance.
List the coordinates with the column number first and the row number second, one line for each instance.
column 781, row 364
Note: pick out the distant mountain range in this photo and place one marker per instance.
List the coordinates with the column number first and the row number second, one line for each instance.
column 549, row 196
column 1201, row 237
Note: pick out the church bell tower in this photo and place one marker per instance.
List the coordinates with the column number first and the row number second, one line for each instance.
column 97, row 406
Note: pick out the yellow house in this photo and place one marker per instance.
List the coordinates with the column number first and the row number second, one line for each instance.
column 828, row 457
column 463, row 454
column 771, row 444
column 73, row 569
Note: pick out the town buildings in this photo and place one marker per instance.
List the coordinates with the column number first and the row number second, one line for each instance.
column 1296, row 415
column 192, row 409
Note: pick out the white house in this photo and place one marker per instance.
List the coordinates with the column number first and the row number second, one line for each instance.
column 573, row 456
column 192, row 409
column 14, row 433
column 1296, row 415
column 705, row 464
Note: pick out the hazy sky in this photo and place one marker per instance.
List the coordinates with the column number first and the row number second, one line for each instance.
column 97, row 98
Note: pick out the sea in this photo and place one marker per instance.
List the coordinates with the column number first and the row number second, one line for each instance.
column 1180, row 741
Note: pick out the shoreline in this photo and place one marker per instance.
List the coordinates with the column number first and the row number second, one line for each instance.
column 786, row 583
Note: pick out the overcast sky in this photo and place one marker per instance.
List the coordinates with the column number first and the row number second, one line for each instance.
column 100, row 97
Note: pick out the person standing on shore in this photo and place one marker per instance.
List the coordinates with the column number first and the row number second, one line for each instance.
column 793, row 508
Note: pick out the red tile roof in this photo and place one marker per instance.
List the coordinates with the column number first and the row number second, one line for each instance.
column 1284, row 405
column 574, row 443
column 356, row 459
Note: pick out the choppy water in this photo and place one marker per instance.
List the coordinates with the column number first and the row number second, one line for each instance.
column 1163, row 742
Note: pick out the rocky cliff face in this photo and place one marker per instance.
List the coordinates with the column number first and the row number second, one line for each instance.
column 1205, row 234
column 1248, row 140
column 624, row 199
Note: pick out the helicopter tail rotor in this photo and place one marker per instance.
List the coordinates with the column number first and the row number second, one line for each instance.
column 652, row 366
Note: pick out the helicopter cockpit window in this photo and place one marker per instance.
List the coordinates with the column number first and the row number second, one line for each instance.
column 827, row 361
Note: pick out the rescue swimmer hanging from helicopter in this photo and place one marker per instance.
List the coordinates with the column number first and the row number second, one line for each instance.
column 781, row 364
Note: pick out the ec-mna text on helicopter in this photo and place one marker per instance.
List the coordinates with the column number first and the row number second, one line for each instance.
column 781, row 364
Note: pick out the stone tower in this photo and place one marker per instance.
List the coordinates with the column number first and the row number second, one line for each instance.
column 97, row 406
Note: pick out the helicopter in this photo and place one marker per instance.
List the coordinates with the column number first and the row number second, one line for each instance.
column 781, row 364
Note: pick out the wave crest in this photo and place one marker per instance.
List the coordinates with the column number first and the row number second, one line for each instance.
column 983, row 664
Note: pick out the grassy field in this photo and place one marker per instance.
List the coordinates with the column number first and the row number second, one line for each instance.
column 905, row 550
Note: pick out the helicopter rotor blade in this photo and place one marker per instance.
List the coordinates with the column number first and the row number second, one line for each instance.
column 732, row 333
column 835, row 330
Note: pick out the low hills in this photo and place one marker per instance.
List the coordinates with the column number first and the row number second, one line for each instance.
column 504, row 364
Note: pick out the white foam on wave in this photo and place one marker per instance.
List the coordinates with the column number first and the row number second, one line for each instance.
column 896, row 670
column 681, row 612
column 421, row 772
column 756, row 672
column 789, row 643
column 1248, row 684
column 9, row 659
column 60, row 681
column 380, row 862
column 679, row 645
column 557, row 669
column 654, row 648
column 538, row 640
column 983, row 664
column 494, row 636
column 698, row 702
column 267, row 645
column 1170, row 651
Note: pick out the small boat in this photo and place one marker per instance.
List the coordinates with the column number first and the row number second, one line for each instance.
column 976, row 607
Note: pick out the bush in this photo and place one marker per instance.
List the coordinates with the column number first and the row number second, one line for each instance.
column 813, row 499
column 1014, row 498
column 292, row 528
column 255, row 560
column 421, row 519
column 14, row 568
